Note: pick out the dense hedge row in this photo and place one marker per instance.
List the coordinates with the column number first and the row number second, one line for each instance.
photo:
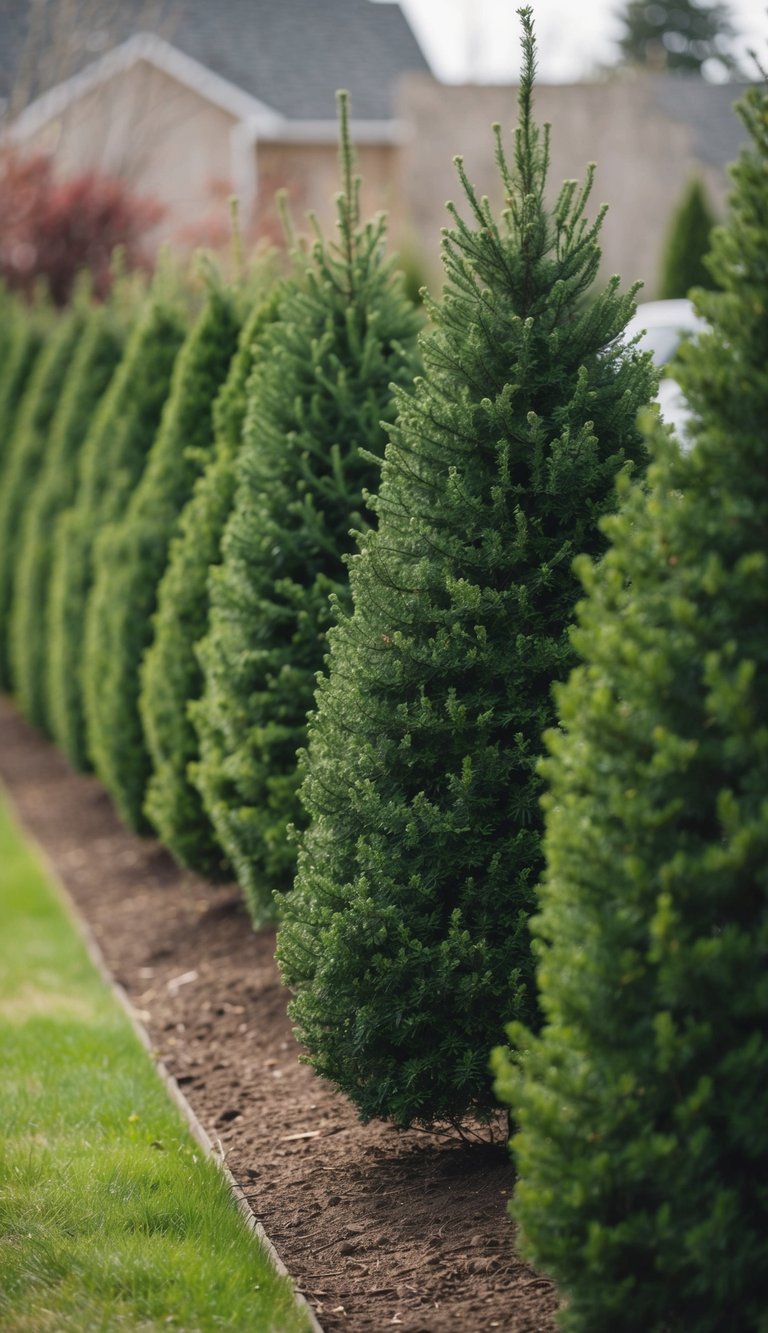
column 179, row 475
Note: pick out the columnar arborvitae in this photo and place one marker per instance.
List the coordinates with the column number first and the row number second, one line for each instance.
column 131, row 555
column 171, row 677
column 27, row 328
column 113, row 455
column 93, row 364
column 643, row 1103
column 407, row 933
column 26, row 452
column 686, row 245
column 344, row 332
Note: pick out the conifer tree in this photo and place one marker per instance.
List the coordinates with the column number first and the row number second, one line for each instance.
column 681, row 36
column 26, row 334
column 643, row 1103
column 131, row 555
column 114, row 452
column 686, row 245
column 313, row 436
column 406, row 936
column 26, row 451
column 93, row 363
column 171, row 677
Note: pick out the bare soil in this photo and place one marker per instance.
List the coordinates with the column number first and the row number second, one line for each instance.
column 378, row 1227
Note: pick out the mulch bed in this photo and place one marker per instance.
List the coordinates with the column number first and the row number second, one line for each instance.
column 378, row 1227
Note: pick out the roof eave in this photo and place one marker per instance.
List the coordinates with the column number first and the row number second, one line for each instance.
column 148, row 47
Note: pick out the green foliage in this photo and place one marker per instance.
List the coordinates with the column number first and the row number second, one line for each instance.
column 26, row 452
column 93, row 363
column 406, row 936
column 131, row 555
column 171, row 676
column 25, row 335
column 643, row 1103
column 313, row 436
column 686, row 245
column 114, row 452
column 682, row 36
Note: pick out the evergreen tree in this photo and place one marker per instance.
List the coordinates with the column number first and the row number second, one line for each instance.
column 686, row 245
column 313, row 436
column 406, row 937
column 131, row 555
column 93, row 363
column 677, row 35
column 112, row 457
column 171, row 676
column 26, row 451
column 26, row 334
column 643, row 1103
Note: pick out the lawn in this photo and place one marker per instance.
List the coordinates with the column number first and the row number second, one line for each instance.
column 111, row 1217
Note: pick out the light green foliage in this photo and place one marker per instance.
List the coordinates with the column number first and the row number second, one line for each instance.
column 122, row 431
column 344, row 332
column 25, row 332
column 171, row 677
column 111, row 1217
column 93, row 363
column 26, row 451
column 643, row 1103
column 406, row 937
column 686, row 245
column 131, row 554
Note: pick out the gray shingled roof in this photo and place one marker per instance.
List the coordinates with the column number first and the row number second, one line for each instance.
column 718, row 132
column 291, row 54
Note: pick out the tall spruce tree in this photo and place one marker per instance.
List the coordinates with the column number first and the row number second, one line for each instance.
column 171, row 676
column 643, row 1103
column 406, row 937
column 132, row 553
column 114, row 452
column 687, row 244
column 26, row 452
column 313, row 437
column 93, row 364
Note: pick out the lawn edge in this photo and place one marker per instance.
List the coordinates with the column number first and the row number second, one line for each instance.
column 196, row 1129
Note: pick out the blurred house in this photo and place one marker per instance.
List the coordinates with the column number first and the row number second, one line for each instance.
column 192, row 100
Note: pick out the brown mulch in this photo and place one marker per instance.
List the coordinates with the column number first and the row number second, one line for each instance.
column 378, row 1227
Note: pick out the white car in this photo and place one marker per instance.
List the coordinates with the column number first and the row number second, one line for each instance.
column 662, row 326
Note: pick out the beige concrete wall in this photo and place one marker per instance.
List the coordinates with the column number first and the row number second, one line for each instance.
column 310, row 174
column 644, row 159
column 150, row 130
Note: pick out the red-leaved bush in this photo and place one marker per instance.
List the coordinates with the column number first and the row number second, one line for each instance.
column 54, row 229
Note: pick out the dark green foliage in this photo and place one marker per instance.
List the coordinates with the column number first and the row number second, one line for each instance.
column 406, row 936
column 686, row 245
column 113, row 455
column 93, row 364
column 171, row 676
column 313, row 436
column 26, row 451
column 677, row 35
column 643, row 1103
column 131, row 555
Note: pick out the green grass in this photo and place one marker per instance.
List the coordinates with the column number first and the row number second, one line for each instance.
column 111, row 1217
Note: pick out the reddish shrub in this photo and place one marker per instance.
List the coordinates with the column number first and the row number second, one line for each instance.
column 53, row 229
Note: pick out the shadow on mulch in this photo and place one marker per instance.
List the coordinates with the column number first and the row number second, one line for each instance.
column 378, row 1227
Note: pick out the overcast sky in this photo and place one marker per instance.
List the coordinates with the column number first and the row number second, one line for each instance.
column 480, row 38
